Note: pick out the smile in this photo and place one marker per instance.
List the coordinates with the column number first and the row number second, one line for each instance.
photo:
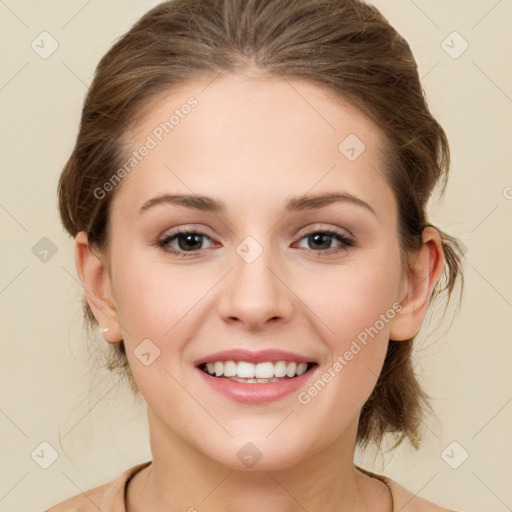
column 256, row 373
column 259, row 377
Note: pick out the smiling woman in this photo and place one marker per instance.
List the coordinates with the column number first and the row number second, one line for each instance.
column 267, row 256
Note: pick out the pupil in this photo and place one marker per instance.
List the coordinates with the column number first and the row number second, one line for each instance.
column 191, row 241
column 317, row 239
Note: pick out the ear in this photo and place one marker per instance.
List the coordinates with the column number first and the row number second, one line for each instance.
column 93, row 273
column 425, row 266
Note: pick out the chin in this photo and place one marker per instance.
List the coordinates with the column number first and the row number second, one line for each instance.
column 259, row 454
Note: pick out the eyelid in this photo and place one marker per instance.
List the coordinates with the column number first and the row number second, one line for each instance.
column 318, row 226
column 345, row 241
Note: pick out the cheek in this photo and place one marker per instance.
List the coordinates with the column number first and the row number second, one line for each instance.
column 353, row 297
column 152, row 297
column 155, row 302
column 355, row 306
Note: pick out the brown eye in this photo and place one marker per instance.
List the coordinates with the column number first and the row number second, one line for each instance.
column 189, row 241
column 183, row 242
column 321, row 241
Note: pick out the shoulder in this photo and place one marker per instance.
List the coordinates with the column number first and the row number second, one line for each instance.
column 406, row 501
column 109, row 496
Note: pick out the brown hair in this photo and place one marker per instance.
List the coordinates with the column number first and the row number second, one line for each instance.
column 345, row 46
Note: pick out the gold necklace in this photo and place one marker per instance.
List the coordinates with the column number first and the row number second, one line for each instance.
column 380, row 479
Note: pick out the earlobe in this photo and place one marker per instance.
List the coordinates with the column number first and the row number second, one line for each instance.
column 95, row 279
column 424, row 270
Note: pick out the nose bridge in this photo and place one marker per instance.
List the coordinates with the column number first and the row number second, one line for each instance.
column 255, row 292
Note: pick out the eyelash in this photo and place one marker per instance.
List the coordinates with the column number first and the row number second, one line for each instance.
column 345, row 242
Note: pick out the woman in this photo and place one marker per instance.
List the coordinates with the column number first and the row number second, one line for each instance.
column 248, row 199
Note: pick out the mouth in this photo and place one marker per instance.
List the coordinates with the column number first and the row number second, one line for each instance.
column 255, row 377
column 256, row 373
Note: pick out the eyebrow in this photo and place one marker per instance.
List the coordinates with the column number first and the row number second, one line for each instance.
column 294, row 204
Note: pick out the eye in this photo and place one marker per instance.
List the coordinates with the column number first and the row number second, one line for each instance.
column 187, row 242
column 320, row 241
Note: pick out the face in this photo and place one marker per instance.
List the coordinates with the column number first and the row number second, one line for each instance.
column 290, row 255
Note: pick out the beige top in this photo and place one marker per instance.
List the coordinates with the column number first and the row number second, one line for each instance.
column 110, row 497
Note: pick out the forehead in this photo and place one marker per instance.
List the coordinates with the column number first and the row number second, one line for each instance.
column 253, row 136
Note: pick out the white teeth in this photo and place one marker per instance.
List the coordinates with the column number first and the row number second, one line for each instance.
column 301, row 368
column 290, row 369
column 230, row 369
column 259, row 372
column 219, row 368
column 245, row 370
column 280, row 369
column 254, row 381
column 264, row 370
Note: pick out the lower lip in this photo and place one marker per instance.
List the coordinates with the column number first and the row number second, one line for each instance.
column 256, row 393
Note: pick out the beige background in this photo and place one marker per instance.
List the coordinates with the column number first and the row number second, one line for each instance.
column 45, row 372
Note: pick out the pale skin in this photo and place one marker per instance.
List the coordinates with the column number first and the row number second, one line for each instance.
column 253, row 144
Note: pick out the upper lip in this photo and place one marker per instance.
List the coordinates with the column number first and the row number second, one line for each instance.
column 260, row 356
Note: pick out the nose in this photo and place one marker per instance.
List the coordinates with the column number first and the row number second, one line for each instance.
column 256, row 294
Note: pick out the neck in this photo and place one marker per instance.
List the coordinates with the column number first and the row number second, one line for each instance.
column 326, row 480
